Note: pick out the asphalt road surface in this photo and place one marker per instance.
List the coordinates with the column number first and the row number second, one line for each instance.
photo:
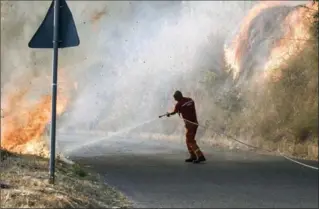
column 152, row 173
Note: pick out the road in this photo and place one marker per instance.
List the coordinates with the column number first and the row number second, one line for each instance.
column 153, row 174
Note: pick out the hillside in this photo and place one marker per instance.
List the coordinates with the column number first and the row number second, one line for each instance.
column 276, row 109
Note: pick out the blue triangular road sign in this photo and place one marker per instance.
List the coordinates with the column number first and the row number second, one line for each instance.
column 68, row 36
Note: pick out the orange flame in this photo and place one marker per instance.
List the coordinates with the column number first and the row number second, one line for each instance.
column 23, row 122
column 297, row 34
column 240, row 44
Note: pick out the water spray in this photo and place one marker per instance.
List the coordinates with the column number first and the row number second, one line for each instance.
column 109, row 136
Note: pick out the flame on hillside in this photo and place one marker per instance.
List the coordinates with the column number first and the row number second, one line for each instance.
column 296, row 27
column 240, row 43
column 297, row 34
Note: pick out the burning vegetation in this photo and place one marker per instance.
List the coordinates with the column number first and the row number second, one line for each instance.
column 274, row 43
column 275, row 55
column 297, row 28
column 269, row 36
column 24, row 121
column 243, row 41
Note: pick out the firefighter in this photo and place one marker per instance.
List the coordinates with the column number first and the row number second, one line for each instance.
column 186, row 107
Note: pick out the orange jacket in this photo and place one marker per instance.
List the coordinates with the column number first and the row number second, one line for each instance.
column 186, row 107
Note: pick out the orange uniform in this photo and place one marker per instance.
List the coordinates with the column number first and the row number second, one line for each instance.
column 186, row 108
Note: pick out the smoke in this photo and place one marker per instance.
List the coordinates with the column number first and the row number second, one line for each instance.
column 139, row 58
column 132, row 56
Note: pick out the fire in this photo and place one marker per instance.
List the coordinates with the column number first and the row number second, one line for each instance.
column 23, row 122
column 297, row 34
column 240, row 44
column 296, row 27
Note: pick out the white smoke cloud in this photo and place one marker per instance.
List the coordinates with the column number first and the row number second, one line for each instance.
column 129, row 61
column 153, row 49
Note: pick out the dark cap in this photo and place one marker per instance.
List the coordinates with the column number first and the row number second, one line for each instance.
column 178, row 95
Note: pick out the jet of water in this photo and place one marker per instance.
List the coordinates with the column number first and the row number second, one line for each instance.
column 122, row 131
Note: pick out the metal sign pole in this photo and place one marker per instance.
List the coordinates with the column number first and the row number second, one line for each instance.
column 54, row 88
column 57, row 30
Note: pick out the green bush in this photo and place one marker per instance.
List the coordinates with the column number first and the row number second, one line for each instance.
column 79, row 171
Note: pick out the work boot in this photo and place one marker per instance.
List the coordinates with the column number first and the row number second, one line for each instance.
column 200, row 159
column 189, row 160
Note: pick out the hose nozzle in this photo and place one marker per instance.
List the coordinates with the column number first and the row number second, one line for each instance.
column 163, row 115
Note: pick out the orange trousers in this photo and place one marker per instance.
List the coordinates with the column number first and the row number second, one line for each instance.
column 192, row 146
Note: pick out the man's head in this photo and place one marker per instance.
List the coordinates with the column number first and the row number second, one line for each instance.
column 178, row 96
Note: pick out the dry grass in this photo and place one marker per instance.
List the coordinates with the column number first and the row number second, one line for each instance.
column 282, row 115
column 75, row 188
column 279, row 113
